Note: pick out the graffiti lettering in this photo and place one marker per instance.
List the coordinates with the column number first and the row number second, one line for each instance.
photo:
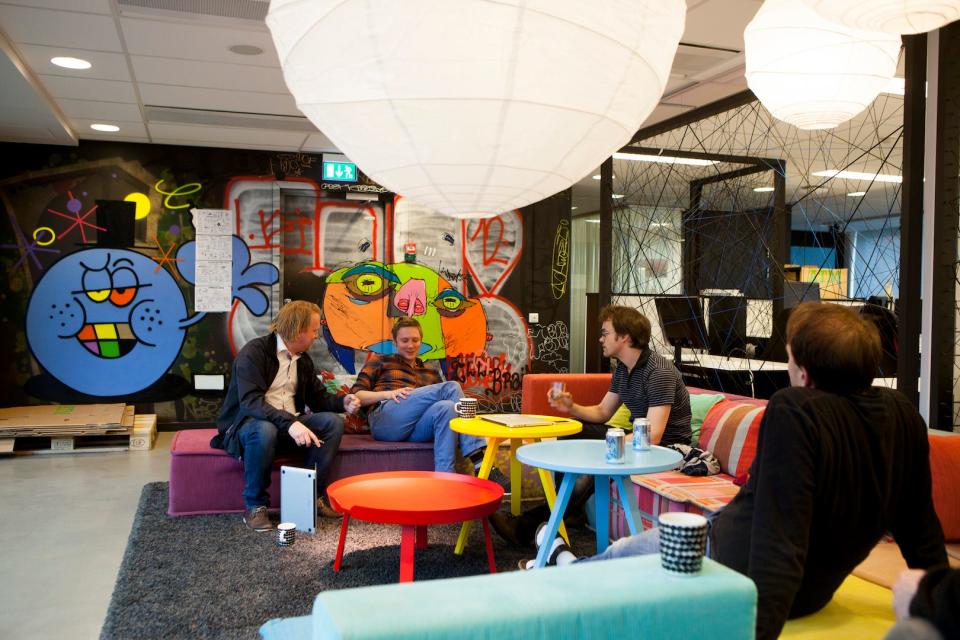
column 493, row 373
column 561, row 263
column 293, row 164
column 484, row 227
column 450, row 274
column 276, row 229
column 183, row 190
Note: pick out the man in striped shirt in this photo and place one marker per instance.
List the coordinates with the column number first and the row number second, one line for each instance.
column 410, row 402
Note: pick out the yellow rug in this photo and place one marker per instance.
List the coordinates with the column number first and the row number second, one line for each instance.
column 860, row 610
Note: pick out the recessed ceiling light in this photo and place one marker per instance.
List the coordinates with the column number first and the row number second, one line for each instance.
column 859, row 175
column 617, row 196
column 762, row 189
column 246, row 50
column 573, row 208
column 597, row 177
column 70, row 63
column 856, row 194
column 593, row 221
column 641, row 157
column 109, row 128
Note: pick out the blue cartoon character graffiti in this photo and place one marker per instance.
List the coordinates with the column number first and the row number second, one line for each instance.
column 110, row 322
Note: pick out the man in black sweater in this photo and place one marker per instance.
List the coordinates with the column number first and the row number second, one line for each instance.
column 275, row 401
column 839, row 464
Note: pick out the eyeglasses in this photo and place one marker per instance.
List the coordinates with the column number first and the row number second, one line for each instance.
column 604, row 333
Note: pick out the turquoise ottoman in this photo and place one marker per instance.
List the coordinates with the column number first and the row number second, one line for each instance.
column 626, row 598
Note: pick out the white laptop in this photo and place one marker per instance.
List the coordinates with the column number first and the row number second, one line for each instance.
column 519, row 420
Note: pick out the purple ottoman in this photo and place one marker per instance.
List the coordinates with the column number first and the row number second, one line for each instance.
column 207, row 480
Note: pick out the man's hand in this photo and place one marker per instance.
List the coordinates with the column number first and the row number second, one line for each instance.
column 904, row 589
column 560, row 400
column 400, row 394
column 351, row 403
column 303, row 436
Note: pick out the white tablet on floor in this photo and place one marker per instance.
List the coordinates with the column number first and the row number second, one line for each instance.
column 298, row 498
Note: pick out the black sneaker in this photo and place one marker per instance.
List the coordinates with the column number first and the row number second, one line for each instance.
column 324, row 510
column 497, row 476
column 257, row 519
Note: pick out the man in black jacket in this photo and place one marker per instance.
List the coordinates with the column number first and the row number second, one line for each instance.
column 275, row 401
column 839, row 463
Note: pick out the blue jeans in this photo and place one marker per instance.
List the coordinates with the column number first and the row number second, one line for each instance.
column 641, row 544
column 424, row 416
column 261, row 440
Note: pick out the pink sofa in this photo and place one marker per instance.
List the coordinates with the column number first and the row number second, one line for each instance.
column 206, row 480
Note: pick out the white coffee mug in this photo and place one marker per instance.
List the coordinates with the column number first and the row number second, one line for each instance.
column 466, row 407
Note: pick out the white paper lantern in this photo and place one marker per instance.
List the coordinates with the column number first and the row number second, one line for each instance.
column 472, row 107
column 814, row 73
column 890, row 16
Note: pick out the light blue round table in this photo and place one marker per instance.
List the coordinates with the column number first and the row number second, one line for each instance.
column 588, row 457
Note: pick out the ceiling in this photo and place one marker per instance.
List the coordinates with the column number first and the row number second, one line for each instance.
column 168, row 72
column 164, row 73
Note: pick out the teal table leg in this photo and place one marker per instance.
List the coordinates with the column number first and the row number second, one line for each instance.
column 601, row 498
column 556, row 517
column 630, row 511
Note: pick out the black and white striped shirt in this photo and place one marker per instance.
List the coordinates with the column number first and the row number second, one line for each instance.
column 655, row 382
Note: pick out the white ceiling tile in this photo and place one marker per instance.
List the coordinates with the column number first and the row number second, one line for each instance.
column 210, row 43
column 318, row 143
column 719, row 23
column 115, row 112
column 228, row 135
column 84, row 6
column 212, row 75
column 116, row 137
column 106, row 66
column 225, row 145
column 56, row 28
column 127, row 129
column 218, row 100
column 89, row 89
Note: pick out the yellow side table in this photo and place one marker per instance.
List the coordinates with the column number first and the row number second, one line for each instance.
column 495, row 435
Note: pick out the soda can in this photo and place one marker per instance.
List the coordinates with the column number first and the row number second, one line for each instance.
column 641, row 434
column 556, row 389
column 616, row 446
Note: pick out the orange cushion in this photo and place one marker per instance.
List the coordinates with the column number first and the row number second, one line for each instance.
column 945, row 469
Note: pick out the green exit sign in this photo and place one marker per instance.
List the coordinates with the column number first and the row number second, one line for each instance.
column 339, row 171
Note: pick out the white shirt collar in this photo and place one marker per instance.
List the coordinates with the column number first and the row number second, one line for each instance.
column 282, row 346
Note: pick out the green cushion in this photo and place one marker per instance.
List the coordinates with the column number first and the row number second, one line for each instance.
column 621, row 419
column 700, row 404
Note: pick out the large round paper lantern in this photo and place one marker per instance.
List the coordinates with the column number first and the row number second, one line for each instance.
column 470, row 107
column 811, row 72
column 890, row 16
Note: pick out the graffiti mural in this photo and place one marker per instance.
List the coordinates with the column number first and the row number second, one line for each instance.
column 109, row 322
column 362, row 301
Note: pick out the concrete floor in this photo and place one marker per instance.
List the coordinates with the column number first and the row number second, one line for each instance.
column 64, row 527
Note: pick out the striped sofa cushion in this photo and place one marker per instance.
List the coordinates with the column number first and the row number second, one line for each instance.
column 730, row 433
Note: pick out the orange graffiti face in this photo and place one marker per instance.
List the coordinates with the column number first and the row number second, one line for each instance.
column 361, row 303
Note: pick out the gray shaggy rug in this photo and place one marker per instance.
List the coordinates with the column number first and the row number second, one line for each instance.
column 212, row 577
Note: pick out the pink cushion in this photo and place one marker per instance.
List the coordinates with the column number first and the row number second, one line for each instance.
column 730, row 432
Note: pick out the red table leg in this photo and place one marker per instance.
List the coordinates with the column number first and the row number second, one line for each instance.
column 422, row 537
column 486, row 538
column 343, row 540
column 407, row 535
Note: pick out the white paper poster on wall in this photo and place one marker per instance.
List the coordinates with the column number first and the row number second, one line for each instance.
column 213, row 284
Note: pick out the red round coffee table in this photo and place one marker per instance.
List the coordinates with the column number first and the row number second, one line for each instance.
column 414, row 500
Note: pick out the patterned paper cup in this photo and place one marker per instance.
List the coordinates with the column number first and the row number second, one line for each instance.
column 683, row 540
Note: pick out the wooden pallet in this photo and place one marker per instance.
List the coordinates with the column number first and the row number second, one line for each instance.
column 139, row 437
